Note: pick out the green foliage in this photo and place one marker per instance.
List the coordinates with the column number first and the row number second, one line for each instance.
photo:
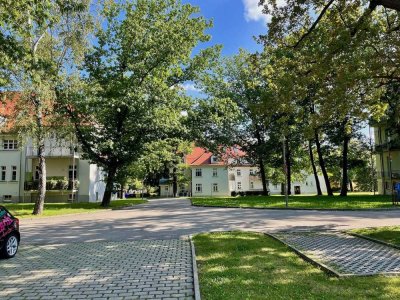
column 131, row 93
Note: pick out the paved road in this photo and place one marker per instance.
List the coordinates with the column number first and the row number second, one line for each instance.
column 175, row 218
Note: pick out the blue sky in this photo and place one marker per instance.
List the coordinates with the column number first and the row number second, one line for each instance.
column 236, row 23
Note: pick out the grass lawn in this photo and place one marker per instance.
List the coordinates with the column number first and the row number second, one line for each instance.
column 242, row 265
column 24, row 210
column 352, row 201
column 387, row 234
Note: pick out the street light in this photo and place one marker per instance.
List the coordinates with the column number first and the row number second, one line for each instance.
column 285, row 171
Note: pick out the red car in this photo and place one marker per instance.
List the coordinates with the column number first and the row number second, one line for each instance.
column 9, row 234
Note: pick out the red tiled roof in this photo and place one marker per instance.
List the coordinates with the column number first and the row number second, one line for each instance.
column 201, row 156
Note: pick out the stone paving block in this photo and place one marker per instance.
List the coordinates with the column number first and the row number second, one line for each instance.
column 99, row 270
column 345, row 254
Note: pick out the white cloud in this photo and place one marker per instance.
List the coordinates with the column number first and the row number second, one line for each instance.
column 253, row 12
column 190, row 87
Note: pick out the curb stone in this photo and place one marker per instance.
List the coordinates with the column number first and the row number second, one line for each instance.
column 372, row 239
column 306, row 209
column 195, row 272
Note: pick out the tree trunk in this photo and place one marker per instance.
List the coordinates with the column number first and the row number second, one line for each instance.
column 345, row 177
column 319, row 192
column 263, row 177
column 39, row 204
column 351, row 186
column 288, row 168
column 322, row 165
column 174, row 183
column 109, row 186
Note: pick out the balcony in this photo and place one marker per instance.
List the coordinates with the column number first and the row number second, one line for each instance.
column 53, row 185
column 388, row 146
column 395, row 175
column 32, row 152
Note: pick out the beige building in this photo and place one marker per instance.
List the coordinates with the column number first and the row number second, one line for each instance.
column 69, row 178
column 220, row 177
column 387, row 151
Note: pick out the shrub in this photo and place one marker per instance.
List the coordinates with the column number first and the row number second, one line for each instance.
column 233, row 194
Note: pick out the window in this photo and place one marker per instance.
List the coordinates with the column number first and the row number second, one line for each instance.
column 36, row 173
column 252, row 185
column 215, row 187
column 252, row 172
column 199, row 172
column 7, row 197
column 3, row 173
column 215, row 172
column 239, row 185
column 275, row 186
column 238, row 172
column 72, row 173
column 166, row 188
column 14, row 173
column 71, row 197
column 199, row 187
column 10, row 144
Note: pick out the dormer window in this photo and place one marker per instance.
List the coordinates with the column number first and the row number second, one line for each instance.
column 214, row 159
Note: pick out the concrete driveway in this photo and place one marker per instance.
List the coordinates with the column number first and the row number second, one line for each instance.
column 174, row 218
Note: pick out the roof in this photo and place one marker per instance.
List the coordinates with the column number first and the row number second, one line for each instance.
column 202, row 157
column 8, row 103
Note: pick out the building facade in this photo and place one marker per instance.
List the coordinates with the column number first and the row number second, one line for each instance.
column 387, row 152
column 69, row 178
column 211, row 176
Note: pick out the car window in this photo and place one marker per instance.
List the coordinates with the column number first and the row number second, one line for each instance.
column 2, row 212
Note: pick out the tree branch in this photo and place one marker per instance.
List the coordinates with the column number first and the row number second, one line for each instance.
column 321, row 15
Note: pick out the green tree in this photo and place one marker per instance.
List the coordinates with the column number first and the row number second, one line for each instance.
column 131, row 95
column 40, row 43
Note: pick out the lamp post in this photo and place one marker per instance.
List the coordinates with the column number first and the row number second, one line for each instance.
column 285, row 171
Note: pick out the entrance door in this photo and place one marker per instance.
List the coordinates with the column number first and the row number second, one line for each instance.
column 297, row 190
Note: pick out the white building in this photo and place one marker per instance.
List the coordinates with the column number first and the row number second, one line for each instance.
column 215, row 177
column 69, row 178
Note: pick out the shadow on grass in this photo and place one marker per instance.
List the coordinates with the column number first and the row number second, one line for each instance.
column 241, row 265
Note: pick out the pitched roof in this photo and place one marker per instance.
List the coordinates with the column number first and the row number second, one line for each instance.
column 201, row 156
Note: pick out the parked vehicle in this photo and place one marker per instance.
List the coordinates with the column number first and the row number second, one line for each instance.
column 9, row 234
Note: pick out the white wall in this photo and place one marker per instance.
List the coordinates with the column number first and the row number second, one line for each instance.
column 10, row 158
column 97, row 185
column 207, row 180
column 245, row 179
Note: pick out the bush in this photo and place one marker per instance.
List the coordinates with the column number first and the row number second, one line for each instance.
column 233, row 194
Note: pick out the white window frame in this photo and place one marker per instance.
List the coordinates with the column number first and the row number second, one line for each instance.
column 199, row 172
column 73, row 169
column 252, row 185
column 215, row 172
column 239, row 185
column 10, row 144
column 199, row 188
column 13, row 173
column 7, row 197
column 239, row 172
column 215, row 187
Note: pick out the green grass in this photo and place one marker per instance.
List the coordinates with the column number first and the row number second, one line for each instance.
column 241, row 265
column 386, row 234
column 24, row 210
column 352, row 201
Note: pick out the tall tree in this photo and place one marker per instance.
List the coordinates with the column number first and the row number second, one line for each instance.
column 48, row 38
column 131, row 93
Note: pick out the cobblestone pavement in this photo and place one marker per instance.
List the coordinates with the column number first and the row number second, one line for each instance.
column 346, row 254
column 101, row 270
